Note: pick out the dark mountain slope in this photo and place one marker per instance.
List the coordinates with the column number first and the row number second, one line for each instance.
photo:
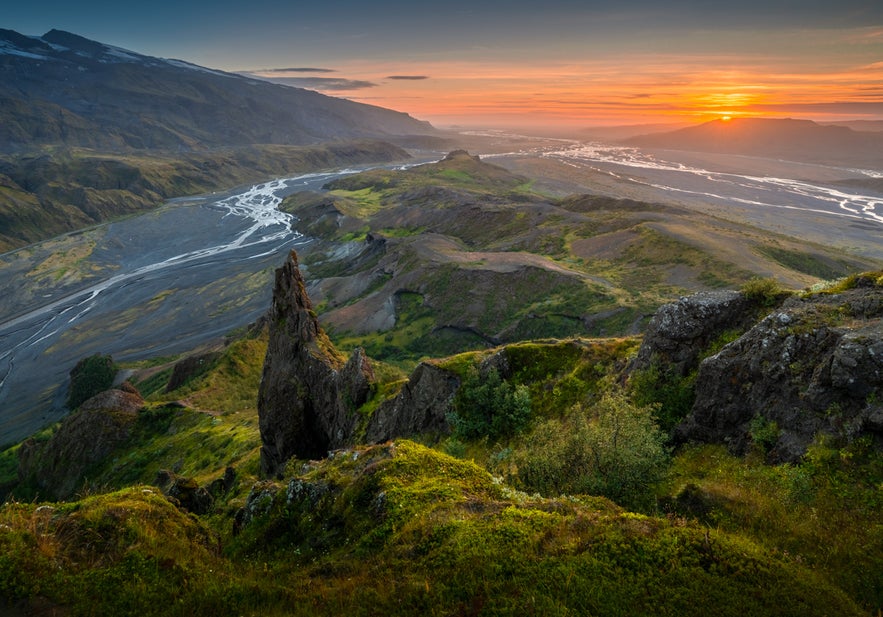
column 89, row 132
column 62, row 89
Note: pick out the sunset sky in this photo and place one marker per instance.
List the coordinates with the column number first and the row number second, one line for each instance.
column 494, row 63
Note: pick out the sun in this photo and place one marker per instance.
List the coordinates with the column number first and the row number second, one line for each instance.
column 726, row 118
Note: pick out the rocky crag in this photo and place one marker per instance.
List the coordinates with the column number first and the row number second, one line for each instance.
column 310, row 395
column 58, row 467
column 812, row 366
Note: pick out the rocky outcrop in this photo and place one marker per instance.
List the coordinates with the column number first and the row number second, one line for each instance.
column 815, row 365
column 679, row 332
column 309, row 394
column 58, row 467
column 420, row 407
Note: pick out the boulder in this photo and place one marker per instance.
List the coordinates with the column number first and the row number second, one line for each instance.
column 185, row 492
column 680, row 331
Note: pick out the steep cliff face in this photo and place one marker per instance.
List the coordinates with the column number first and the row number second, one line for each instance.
column 309, row 393
column 812, row 366
column 421, row 406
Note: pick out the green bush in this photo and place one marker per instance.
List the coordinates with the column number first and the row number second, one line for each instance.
column 89, row 377
column 764, row 433
column 670, row 395
column 486, row 405
column 614, row 449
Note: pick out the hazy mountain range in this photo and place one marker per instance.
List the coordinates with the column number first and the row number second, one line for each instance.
column 800, row 140
column 63, row 89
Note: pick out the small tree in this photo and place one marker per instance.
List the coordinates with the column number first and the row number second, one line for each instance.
column 489, row 406
column 619, row 453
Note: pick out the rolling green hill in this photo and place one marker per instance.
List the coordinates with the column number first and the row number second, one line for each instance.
column 449, row 256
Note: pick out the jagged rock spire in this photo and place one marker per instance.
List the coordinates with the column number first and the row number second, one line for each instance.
column 309, row 393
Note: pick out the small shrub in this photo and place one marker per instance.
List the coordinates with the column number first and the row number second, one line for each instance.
column 767, row 292
column 764, row 433
column 671, row 396
column 489, row 406
column 620, row 454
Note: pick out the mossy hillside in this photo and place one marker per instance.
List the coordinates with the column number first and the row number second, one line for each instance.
column 420, row 531
column 128, row 552
column 491, row 262
column 206, row 425
column 417, row 531
column 823, row 512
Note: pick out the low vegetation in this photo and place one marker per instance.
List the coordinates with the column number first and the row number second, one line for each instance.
column 557, row 490
column 565, row 498
column 89, row 377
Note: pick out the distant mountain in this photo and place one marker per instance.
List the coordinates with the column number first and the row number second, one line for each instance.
column 801, row 140
column 868, row 126
column 63, row 89
column 625, row 131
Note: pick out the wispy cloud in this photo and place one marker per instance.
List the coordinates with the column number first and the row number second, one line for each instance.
column 408, row 77
column 322, row 84
column 293, row 70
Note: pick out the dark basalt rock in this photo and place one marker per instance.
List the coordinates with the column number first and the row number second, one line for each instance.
column 680, row 331
column 185, row 492
column 421, row 406
column 309, row 395
column 190, row 368
column 813, row 366
column 85, row 438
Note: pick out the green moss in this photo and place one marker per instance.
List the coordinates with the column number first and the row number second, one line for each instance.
column 864, row 279
column 822, row 513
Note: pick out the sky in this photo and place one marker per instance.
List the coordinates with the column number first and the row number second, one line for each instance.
column 490, row 63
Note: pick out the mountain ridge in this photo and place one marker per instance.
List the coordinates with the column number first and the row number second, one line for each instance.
column 62, row 88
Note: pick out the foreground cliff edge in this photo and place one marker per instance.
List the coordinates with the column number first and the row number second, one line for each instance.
column 403, row 528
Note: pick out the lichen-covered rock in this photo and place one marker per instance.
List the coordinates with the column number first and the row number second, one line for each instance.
column 258, row 503
column 85, row 438
column 680, row 331
column 309, row 395
column 421, row 406
column 813, row 366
